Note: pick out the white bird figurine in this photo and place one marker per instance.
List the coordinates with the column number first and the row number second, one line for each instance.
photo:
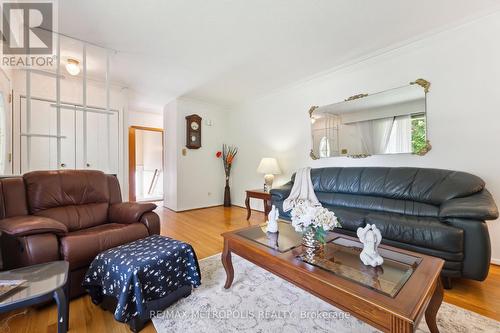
column 370, row 237
column 272, row 223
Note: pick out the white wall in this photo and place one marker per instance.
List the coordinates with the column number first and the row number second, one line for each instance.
column 146, row 119
column 172, row 150
column 463, row 66
column 197, row 179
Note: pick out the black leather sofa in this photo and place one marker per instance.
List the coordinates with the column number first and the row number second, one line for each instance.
column 436, row 212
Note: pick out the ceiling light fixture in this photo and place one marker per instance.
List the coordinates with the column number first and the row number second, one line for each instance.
column 73, row 66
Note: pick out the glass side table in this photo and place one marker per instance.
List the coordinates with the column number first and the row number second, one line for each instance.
column 44, row 282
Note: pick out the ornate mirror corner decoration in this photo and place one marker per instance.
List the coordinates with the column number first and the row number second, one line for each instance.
column 423, row 83
column 424, row 149
column 311, row 110
column 312, row 156
column 358, row 96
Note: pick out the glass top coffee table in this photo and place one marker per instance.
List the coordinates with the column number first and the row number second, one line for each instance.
column 43, row 282
column 392, row 297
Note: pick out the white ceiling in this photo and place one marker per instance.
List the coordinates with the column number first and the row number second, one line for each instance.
column 227, row 51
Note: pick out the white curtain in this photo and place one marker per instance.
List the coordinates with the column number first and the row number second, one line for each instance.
column 324, row 147
column 400, row 138
column 375, row 134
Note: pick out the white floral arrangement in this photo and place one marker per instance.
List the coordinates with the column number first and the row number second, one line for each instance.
column 306, row 216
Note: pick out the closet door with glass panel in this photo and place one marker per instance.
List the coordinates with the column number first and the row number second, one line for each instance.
column 38, row 135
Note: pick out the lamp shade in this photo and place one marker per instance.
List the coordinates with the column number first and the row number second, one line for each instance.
column 269, row 166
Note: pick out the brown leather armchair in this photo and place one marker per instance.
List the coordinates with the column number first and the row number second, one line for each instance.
column 68, row 214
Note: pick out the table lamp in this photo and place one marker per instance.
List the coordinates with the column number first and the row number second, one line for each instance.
column 269, row 167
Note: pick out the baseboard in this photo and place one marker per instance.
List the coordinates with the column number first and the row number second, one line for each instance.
column 254, row 210
column 495, row 261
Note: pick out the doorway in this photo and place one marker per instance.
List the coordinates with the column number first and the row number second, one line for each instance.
column 145, row 163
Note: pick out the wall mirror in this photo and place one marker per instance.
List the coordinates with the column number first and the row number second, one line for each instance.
column 389, row 122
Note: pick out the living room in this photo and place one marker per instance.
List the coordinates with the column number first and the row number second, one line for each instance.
column 312, row 166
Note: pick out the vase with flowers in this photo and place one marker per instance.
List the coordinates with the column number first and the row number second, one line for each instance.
column 227, row 155
column 313, row 222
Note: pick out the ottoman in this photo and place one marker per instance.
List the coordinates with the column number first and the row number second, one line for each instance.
column 139, row 278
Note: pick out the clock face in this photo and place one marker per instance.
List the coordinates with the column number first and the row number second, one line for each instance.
column 194, row 125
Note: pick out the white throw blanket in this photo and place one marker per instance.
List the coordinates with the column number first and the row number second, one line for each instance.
column 302, row 190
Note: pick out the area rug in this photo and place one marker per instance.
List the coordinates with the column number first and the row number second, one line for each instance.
column 259, row 301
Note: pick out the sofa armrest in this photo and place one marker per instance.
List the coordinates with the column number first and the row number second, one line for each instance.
column 129, row 212
column 29, row 250
column 31, row 225
column 479, row 206
column 282, row 192
column 152, row 221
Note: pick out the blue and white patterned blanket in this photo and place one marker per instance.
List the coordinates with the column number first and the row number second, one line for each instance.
column 141, row 271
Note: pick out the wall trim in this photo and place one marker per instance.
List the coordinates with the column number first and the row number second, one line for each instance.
column 191, row 209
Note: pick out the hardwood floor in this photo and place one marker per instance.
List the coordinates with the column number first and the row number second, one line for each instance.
column 202, row 229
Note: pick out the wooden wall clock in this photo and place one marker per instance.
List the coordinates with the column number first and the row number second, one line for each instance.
column 193, row 131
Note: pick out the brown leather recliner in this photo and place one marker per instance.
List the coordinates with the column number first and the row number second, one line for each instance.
column 68, row 214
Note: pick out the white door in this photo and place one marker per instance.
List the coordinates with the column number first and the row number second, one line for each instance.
column 97, row 142
column 91, row 146
column 102, row 141
column 68, row 139
column 38, row 136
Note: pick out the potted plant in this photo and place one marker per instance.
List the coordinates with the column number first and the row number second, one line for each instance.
column 313, row 222
column 227, row 154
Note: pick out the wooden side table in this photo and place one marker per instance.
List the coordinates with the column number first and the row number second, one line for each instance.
column 258, row 194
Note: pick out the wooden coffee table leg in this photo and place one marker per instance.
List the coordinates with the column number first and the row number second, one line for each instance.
column 433, row 307
column 247, row 205
column 267, row 208
column 228, row 265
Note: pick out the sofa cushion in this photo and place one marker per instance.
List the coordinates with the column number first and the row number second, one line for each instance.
column 79, row 248
column 77, row 217
column 431, row 186
column 349, row 218
column 49, row 189
column 374, row 203
column 426, row 232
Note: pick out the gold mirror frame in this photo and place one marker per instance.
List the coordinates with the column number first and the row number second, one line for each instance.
column 421, row 82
